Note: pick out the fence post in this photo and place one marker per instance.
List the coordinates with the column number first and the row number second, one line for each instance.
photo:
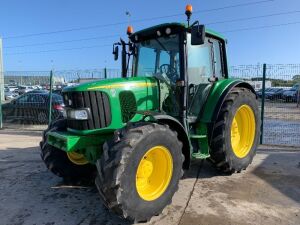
column 105, row 73
column 263, row 103
column 50, row 98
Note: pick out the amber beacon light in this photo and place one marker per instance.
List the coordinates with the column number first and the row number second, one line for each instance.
column 188, row 9
column 188, row 12
column 129, row 30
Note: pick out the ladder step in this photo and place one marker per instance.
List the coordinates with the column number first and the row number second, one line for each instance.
column 198, row 155
column 198, row 136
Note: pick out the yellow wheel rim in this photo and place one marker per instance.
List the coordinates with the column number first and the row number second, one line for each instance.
column 77, row 158
column 243, row 131
column 154, row 173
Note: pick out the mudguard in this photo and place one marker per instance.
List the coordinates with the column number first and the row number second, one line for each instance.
column 217, row 96
column 174, row 124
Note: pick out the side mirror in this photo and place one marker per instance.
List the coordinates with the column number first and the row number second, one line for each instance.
column 198, row 35
column 116, row 53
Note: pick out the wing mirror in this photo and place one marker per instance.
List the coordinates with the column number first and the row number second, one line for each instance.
column 116, row 52
column 198, row 35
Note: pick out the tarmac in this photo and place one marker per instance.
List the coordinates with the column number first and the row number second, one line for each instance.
column 268, row 192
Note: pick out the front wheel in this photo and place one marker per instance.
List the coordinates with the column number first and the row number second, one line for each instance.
column 70, row 166
column 235, row 134
column 140, row 170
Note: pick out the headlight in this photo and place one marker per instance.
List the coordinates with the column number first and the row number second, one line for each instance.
column 78, row 114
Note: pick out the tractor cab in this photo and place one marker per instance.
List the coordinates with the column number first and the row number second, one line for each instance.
column 186, row 61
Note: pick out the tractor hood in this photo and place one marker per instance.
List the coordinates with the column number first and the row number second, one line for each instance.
column 132, row 83
column 111, row 102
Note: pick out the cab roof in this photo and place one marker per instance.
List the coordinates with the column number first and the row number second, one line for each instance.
column 174, row 26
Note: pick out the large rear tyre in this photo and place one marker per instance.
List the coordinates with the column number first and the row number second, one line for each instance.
column 235, row 134
column 140, row 170
column 72, row 166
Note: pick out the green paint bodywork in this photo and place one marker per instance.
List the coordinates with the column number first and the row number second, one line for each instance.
column 147, row 92
column 89, row 145
column 216, row 92
column 203, row 151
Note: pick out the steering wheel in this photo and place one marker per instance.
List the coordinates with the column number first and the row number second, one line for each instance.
column 169, row 71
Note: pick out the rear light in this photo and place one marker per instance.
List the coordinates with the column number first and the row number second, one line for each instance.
column 58, row 107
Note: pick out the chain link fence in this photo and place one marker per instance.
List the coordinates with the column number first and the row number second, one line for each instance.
column 279, row 100
column 25, row 103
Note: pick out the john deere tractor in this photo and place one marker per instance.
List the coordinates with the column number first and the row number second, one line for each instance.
column 136, row 134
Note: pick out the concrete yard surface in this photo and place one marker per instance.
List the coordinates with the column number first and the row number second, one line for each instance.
column 268, row 192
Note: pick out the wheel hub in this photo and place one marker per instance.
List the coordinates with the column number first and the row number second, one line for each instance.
column 154, row 173
column 243, row 131
column 77, row 158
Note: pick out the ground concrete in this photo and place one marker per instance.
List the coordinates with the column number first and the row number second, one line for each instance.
column 267, row 193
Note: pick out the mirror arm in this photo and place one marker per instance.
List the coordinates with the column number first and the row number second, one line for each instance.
column 196, row 22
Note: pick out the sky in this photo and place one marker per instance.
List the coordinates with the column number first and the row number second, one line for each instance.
column 104, row 22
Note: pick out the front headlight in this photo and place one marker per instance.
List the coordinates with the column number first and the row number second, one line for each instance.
column 78, row 114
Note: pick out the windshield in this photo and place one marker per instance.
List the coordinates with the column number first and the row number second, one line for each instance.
column 159, row 57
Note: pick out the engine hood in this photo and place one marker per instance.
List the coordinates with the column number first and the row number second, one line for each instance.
column 132, row 83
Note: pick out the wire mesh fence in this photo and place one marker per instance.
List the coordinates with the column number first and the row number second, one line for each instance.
column 280, row 98
column 25, row 103
column 25, row 95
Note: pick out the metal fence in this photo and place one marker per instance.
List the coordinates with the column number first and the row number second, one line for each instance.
column 26, row 99
column 27, row 102
column 279, row 99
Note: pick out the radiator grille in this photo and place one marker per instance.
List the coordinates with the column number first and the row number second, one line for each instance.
column 99, row 106
column 128, row 105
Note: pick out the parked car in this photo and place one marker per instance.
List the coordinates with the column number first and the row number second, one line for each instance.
column 33, row 107
column 38, row 91
column 259, row 92
column 274, row 94
column 290, row 95
column 12, row 88
column 58, row 91
column 24, row 89
column 8, row 95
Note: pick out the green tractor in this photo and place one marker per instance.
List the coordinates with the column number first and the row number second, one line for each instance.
column 136, row 135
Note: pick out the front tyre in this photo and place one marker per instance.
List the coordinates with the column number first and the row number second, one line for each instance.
column 235, row 134
column 140, row 170
column 71, row 166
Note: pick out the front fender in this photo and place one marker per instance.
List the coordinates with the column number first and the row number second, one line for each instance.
column 217, row 96
column 175, row 125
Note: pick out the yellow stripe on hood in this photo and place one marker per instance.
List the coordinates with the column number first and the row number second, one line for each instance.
column 122, row 85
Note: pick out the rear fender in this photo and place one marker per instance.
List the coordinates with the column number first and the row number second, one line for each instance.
column 217, row 96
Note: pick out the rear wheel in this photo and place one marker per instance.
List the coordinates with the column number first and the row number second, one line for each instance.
column 235, row 135
column 70, row 166
column 42, row 118
column 140, row 170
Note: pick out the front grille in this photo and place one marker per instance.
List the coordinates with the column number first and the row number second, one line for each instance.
column 99, row 106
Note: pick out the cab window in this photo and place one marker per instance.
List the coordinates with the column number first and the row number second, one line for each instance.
column 204, row 61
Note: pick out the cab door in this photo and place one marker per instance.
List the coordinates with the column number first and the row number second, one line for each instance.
column 204, row 67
